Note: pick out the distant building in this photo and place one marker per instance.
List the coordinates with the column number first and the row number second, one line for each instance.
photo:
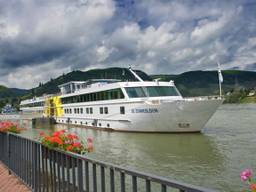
column 251, row 93
column 228, row 93
column 8, row 109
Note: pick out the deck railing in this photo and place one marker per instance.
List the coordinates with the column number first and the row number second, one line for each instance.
column 47, row 170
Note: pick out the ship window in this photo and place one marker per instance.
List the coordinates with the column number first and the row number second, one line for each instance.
column 134, row 92
column 101, row 110
column 91, row 110
column 105, row 110
column 122, row 110
column 70, row 110
column 98, row 96
column 87, row 110
column 81, row 110
column 105, row 95
column 152, row 91
column 82, row 98
column 93, row 96
column 157, row 91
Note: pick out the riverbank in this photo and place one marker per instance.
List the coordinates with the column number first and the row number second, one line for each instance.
column 248, row 100
column 241, row 100
column 240, row 96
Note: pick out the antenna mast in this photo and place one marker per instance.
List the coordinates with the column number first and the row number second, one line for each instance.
column 220, row 78
column 135, row 75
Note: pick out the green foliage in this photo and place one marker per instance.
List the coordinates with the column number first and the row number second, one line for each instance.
column 13, row 96
column 204, row 83
column 51, row 86
column 192, row 83
column 249, row 100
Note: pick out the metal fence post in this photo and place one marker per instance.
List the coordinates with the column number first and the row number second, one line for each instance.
column 8, row 153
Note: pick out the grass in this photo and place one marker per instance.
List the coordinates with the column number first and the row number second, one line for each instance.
column 249, row 100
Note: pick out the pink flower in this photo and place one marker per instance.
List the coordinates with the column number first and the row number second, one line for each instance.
column 41, row 133
column 243, row 178
column 89, row 140
column 56, row 134
column 62, row 131
column 77, row 144
column 67, row 142
column 246, row 174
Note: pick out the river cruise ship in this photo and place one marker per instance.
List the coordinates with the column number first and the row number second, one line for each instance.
column 139, row 106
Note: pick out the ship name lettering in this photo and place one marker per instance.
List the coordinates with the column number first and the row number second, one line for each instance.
column 146, row 110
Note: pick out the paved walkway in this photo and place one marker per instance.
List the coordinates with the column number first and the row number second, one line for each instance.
column 9, row 183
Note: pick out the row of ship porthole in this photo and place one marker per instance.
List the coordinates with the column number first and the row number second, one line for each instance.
column 81, row 123
column 89, row 110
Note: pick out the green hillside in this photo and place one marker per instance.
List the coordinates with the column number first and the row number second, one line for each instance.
column 198, row 83
column 237, row 84
column 11, row 95
column 109, row 73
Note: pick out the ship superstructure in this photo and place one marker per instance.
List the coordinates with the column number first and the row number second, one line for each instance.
column 140, row 106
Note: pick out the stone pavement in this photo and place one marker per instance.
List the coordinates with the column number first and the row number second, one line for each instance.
column 9, row 183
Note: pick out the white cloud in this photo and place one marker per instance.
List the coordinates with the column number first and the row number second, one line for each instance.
column 39, row 39
column 207, row 29
column 27, row 77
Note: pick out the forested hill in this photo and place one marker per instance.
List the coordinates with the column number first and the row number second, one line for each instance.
column 198, row 83
column 109, row 73
column 11, row 95
column 11, row 92
column 193, row 83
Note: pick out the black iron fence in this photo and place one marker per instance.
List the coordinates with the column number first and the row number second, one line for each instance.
column 47, row 170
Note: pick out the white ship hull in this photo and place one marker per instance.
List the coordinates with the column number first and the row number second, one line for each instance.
column 141, row 106
column 167, row 116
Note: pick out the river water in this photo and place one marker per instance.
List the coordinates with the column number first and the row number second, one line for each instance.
column 213, row 158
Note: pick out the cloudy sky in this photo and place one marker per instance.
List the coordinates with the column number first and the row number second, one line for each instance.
column 42, row 39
